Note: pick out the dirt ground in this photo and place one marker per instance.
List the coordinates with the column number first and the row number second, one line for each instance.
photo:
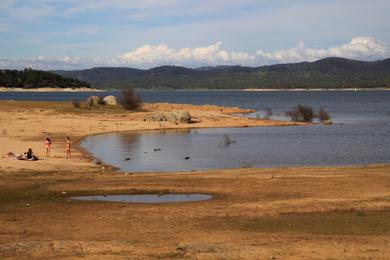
column 275, row 213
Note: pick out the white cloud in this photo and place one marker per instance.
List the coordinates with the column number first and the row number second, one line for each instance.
column 364, row 48
column 360, row 47
column 147, row 56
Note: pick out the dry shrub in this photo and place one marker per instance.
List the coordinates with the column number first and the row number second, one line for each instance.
column 89, row 103
column 323, row 115
column 101, row 101
column 129, row 100
column 301, row 114
column 268, row 113
column 76, row 103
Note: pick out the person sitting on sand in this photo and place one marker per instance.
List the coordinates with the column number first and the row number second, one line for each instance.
column 29, row 156
column 48, row 146
column 12, row 155
column 68, row 148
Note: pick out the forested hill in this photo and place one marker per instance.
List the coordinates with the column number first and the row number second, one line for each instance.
column 326, row 73
column 31, row 79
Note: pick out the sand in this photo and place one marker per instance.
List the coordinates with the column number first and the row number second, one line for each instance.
column 278, row 213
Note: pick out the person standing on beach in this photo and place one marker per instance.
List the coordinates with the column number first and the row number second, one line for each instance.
column 48, row 146
column 68, row 148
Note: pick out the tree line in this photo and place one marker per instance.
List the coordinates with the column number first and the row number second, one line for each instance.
column 30, row 79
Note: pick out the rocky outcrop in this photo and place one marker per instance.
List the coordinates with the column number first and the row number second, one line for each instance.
column 107, row 100
column 327, row 122
column 174, row 117
column 110, row 100
column 92, row 101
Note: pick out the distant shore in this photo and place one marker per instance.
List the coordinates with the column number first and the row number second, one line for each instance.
column 3, row 89
column 312, row 89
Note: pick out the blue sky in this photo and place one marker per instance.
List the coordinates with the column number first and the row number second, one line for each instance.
column 56, row 34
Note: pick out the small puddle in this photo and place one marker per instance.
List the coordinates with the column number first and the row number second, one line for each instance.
column 146, row 198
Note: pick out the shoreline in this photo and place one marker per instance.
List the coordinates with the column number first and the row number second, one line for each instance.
column 16, row 90
column 53, row 119
column 288, row 212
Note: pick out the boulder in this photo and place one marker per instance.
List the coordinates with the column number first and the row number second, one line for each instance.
column 174, row 117
column 92, row 101
column 327, row 122
column 110, row 100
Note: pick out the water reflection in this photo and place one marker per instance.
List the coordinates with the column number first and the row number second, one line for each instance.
column 251, row 147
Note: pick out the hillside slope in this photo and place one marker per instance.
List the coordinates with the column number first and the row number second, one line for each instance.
column 30, row 79
column 325, row 73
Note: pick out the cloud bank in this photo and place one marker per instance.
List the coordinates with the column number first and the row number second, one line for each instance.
column 147, row 56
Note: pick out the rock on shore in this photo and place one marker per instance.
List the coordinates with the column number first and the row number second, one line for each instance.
column 174, row 117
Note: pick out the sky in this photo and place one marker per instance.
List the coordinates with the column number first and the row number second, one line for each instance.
column 78, row 34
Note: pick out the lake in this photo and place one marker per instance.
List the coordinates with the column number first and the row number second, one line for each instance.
column 344, row 106
column 360, row 134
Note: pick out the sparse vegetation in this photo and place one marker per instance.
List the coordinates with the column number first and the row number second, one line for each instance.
column 89, row 103
column 306, row 114
column 301, row 114
column 130, row 100
column 268, row 113
column 323, row 115
column 30, row 79
column 76, row 103
column 330, row 73
column 101, row 101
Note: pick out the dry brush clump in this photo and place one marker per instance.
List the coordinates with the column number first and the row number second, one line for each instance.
column 306, row 114
column 323, row 116
column 129, row 100
column 301, row 114
column 101, row 101
column 76, row 103
column 268, row 113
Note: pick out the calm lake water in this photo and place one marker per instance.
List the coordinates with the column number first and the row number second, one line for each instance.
column 360, row 134
column 344, row 106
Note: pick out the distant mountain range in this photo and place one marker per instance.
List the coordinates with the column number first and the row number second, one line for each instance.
column 329, row 73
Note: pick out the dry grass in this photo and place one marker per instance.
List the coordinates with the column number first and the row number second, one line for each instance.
column 255, row 212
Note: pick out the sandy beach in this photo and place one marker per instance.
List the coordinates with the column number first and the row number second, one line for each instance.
column 276, row 213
